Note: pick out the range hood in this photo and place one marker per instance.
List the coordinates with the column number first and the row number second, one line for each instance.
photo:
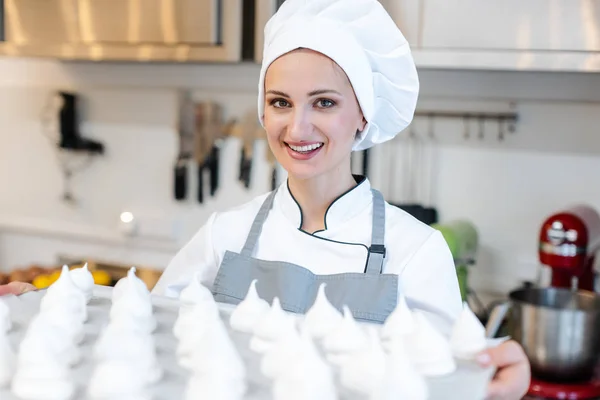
column 123, row 30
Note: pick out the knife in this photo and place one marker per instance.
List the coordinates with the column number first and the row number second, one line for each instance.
column 272, row 161
column 185, row 132
column 248, row 135
column 208, row 124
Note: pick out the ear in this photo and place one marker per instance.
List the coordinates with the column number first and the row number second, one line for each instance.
column 363, row 123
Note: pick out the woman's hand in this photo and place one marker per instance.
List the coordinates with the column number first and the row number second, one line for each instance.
column 16, row 288
column 513, row 376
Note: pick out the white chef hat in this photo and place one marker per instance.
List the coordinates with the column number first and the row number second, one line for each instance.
column 361, row 37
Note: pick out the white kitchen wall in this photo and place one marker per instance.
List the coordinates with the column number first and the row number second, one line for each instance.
column 506, row 188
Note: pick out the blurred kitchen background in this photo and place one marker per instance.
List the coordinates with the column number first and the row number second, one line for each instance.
column 507, row 131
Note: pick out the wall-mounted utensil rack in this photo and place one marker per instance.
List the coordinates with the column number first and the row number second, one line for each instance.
column 506, row 120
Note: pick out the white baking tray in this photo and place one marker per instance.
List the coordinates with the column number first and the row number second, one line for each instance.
column 468, row 382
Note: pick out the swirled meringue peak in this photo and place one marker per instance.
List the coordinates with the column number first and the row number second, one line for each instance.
column 468, row 335
column 195, row 292
column 249, row 311
column 322, row 318
column 428, row 349
column 128, row 283
column 83, row 279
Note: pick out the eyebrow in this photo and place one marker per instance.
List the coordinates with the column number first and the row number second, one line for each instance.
column 310, row 94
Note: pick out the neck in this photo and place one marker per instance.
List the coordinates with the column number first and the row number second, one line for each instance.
column 315, row 195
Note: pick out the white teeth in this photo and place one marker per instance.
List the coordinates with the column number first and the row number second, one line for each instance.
column 306, row 148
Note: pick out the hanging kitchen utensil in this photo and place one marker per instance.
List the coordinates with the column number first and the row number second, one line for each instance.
column 481, row 128
column 467, row 130
column 272, row 161
column 416, row 171
column 501, row 129
column 70, row 137
column 248, row 134
column 411, row 148
column 60, row 124
column 365, row 163
column 209, row 126
column 391, row 155
column 185, row 133
column 428, row 176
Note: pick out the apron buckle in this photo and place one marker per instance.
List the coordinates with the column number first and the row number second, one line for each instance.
column 378, row 249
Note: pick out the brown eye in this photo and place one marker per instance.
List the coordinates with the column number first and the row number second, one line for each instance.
column 279, row 103
column 325, row 103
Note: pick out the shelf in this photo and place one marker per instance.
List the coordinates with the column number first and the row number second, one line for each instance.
column 508, row 60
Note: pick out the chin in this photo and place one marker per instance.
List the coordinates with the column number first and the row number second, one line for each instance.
column 302, row 172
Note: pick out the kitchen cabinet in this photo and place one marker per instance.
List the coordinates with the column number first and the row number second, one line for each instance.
column 136, row 30
column 513, row 35
column 558, row 35
column 509, row 25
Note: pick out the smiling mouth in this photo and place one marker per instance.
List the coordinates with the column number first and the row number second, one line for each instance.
column 305, row 149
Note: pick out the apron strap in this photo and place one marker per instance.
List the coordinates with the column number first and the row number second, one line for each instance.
column 377, row 249
column 257, row 225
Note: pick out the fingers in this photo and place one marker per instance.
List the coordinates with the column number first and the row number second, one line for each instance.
column 16, row 288
column 513, row 377
column 510, row 383
column 505, row 354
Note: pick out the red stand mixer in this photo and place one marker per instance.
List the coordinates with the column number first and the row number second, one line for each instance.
column 568, row 243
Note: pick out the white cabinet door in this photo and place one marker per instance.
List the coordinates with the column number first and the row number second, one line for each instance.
column 544, row 25
column 406, row 15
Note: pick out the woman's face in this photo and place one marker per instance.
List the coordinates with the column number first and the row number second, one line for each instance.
column 311, row 114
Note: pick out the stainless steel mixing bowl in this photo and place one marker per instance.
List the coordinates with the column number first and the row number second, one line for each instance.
column 559, row 330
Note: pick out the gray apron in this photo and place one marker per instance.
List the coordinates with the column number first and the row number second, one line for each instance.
column 371, row 296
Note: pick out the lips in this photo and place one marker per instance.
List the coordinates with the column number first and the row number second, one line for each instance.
column 303, row 151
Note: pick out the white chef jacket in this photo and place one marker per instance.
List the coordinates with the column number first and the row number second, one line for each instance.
column 417, row 253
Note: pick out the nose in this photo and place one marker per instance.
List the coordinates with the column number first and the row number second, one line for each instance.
column 300, row 126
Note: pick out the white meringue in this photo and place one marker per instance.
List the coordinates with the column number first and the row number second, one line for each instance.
column 211, row 387
column 134, row 304
column 281, row 355
column 468, row 335
column 249, row 311
column 44, row 380
column 308, row 377
column 130, row 283
column 194, row 338
column 401, row 380
column 5, row 319
column 217, row 356
column 120, row 345
column 84, row 280
column 8, row 361
column 363, row 370
column 275, row 324
column 399, row 323
column 66, row 296
column 347, row 337
column 322, row 318
column 313, row 387
column 48, row 342
column 117, row 380
column 195, row 292
column 62, row 318
column 192, row 319
column 428, row 349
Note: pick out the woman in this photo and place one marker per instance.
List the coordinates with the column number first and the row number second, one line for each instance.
column 337, row 76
